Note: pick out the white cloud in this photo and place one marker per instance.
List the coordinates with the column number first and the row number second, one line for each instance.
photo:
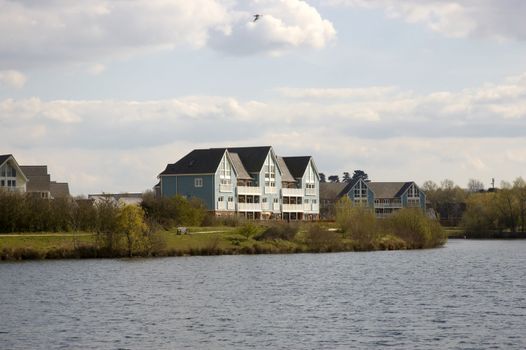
column 499, row 19
column 55, row 31
column 12, row 78
column 97, row 69
column 392, row 133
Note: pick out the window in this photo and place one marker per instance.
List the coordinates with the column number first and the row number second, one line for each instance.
column 11, row 183
column 270, row 171
column 230, row 199
column 314, row 201
column 360, row 190
column 2, row 183
column 198, row 182
column 221, row 199
column 264, row 200
column 225, row 172
column 306, row 201
column 276, row 200
column 413, row 192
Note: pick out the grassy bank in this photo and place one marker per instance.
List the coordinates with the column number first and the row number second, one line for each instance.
column 199, row 241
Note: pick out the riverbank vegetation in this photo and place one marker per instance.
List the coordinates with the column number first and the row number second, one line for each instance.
column 81, row 229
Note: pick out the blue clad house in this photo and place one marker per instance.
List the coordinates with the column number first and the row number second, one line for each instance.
column 384, row 197
column 252, row 182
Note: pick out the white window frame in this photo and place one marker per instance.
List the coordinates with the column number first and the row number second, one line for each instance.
column 198, row 182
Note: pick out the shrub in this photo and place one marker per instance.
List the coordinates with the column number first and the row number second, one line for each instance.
column 322, row 240
column 248, row 230
column 279, row 230
column 417, row 230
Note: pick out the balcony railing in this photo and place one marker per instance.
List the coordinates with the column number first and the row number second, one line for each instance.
column 221, row 206
column 231, row 206
column 276, row 206
column 250, row 190
column 388, row 205
column 249, row 206
column 265, row 206
column 292, row 192
column 311, row 191
column 292, row 207
column 270, row 190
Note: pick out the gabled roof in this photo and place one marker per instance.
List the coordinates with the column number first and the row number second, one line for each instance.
column 241, row 172
column 388, row 189
column 34, row 170
column 286, row 176
column 199, row 161
column 297, row 165
column 253, row 158
column 59, row 189
column 4, row 158
column 38, row 183
column 331, row 190
column 348, row 186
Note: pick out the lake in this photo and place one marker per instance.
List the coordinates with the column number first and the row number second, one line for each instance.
column 467, row 295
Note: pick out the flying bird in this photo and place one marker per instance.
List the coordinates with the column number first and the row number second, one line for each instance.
column 256, row 17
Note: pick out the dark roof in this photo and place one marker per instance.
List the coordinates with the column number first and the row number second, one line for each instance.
column 331, row 190
column 388, row 189
column 59, row 189
column 297, row 165
column 253, row 158
column 34, row 170
column 286, row 176
column 4, row 157
column 199, row 161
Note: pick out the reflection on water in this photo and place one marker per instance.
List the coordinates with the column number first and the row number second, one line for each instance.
column 470, row 294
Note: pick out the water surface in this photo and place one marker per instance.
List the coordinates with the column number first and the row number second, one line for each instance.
column 468, row 295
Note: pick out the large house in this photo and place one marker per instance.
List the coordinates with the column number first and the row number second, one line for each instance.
column 11, row 177
column 252, row 182
column 384, row 197
column 33, row 179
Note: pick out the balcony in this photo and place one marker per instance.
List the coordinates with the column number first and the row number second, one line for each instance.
column 221, row 205
column 292, row 192
column 276, row 206
column 388, row 205
column 248, row 190
column 225, row 188
column 293, row 207
column 311, row 191
column 270, row 190
column 231, row 206
column 249, row 206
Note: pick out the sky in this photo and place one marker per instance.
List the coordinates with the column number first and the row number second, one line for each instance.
column 106, row 93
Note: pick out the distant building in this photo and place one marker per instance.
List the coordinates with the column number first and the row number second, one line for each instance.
column 252, row 182
column 118, row 198
column 40, row 184
column 12, row 178
column 384, row 197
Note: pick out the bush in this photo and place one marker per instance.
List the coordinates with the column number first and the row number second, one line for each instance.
column 322, row 240
column 174, row 211
column 279, row 230
column 416, row 229
column 248, row 230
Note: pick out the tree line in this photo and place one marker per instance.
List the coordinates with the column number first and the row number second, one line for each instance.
column 120, row 230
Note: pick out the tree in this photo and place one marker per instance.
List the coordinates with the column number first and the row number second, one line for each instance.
column 334, row 178
column 130, row 224
column 322, row 177
column 429, row 186
column 475, row 185
column 519, row 190
column 360, row 174
column 346, row 177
